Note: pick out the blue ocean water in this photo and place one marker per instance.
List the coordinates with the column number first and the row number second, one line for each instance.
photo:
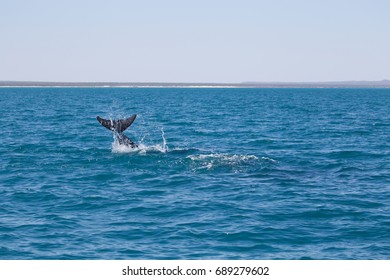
column 219, row 174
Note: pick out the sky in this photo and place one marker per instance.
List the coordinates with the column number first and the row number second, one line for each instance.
column 194, row 41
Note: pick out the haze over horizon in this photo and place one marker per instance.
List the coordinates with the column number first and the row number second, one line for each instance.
column 194, row 41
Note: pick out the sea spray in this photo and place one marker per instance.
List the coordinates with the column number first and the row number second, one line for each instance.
column 142, row 147
column 164, row 144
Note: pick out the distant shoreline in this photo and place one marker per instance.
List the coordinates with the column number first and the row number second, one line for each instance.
column 345, row 84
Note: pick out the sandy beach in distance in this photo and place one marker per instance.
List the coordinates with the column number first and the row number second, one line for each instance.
column 341, row 84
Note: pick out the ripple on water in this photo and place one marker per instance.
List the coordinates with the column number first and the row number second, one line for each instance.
column 218, row 174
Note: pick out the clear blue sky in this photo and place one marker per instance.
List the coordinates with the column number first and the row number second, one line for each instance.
column 194, row 41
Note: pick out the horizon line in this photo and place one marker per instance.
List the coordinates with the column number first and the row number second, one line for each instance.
column 385, row 83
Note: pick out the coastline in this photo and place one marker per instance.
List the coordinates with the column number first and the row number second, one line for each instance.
column 346, row 84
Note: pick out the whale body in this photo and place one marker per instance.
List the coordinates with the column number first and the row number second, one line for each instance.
column 117, row 127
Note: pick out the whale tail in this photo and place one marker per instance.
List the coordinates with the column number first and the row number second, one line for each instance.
column 117, row 125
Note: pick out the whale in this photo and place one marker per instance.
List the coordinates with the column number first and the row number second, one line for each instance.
column 117, row 127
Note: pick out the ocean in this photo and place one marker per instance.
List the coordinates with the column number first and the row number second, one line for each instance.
column 219, row 173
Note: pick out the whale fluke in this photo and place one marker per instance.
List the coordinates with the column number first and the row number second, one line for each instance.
column 117, row 125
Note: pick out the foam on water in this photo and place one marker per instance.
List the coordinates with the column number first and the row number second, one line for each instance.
column 231, row 161
column 224, row 157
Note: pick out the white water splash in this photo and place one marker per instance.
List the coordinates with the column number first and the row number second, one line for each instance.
column 165, row 146
column 142, row 147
